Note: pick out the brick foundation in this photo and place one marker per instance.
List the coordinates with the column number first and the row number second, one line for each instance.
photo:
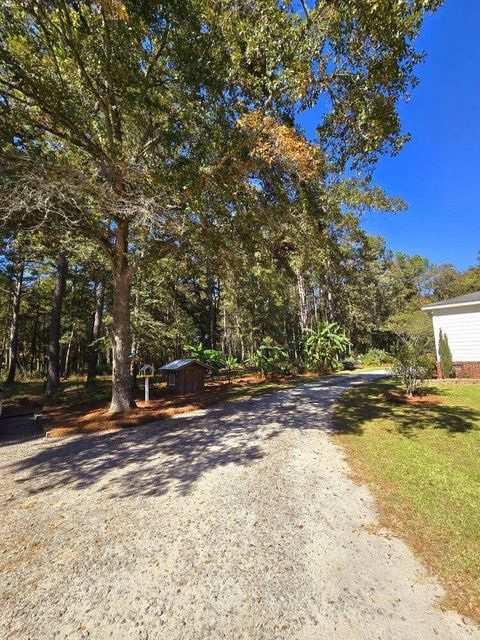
column 463, row 369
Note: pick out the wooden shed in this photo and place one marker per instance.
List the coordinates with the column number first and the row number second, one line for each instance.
column 185, row 375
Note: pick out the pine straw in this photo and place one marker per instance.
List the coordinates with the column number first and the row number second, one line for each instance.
column 88, row 417
column 403, row 398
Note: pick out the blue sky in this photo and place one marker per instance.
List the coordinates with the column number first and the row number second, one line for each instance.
column 438, row 172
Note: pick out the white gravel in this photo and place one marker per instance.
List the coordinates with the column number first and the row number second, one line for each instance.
column 237, row 522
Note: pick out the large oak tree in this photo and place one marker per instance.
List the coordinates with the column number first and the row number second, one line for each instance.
column 141, row 124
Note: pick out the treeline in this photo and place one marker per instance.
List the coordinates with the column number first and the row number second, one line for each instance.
column 56, row 307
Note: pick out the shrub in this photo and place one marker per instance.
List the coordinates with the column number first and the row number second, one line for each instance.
column 413, row 364
column 269, row 358
column 446, row 364
column 376, row 357
column 299, row 366
column 288, row 368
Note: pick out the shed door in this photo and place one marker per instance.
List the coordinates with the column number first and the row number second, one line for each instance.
column 171, row 379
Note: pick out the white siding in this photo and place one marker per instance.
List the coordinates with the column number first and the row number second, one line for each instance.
column 462, row 328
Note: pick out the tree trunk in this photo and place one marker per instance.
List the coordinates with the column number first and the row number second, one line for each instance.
column 315, row 304
column 225, row 336
column 66, row 368
column 5, row 345
column 13, row 347
column 43, row 357
column 303, row 303
column 294, row 336
column 92, row 353
column 212, row 292
column 330, row 310
column 134, row 361
column 240, row 337
column 122, row 393
column 33, row 343
column 53, row 375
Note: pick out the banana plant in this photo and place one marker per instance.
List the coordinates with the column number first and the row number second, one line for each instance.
column 232, row 364
column 323, row 344
column 212, row 357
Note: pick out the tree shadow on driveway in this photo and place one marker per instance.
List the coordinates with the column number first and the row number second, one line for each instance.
column 173, row 454
column 15, row 429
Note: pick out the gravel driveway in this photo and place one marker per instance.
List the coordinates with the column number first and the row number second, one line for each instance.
column 236, row 522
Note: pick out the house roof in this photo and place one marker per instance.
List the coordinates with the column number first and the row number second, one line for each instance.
column 176, row 365
column 469, row 298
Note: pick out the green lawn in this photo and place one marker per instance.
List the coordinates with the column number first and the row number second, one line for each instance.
column 423, row 463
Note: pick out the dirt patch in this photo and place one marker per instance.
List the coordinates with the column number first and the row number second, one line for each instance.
column 399, row 397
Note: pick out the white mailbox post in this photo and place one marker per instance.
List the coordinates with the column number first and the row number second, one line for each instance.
column 147, row 372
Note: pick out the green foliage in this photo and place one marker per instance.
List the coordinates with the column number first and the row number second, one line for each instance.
column 212, row 357
column 289, row 368
column 409, row 322
column 376, row 357
column 446, row 363
column 324, row 344
column 166, row 134
column 413, row 363
column 232, row 364
column 447, row 282
column 269, row 357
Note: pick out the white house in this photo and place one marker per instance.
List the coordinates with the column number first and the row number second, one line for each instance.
column 459, row 320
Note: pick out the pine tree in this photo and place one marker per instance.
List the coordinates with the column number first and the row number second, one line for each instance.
column 445, row 356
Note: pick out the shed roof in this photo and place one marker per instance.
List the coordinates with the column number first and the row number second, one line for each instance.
column 469, row 298
column 176, row 365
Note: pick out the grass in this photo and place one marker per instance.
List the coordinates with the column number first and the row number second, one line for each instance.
column 423, row 464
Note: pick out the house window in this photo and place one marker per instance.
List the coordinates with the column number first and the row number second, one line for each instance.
column 171, row 379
